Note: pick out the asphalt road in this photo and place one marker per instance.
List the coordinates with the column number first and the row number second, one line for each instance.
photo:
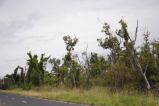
column 16, row 100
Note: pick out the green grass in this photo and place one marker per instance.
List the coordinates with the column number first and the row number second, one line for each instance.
column 95, row 97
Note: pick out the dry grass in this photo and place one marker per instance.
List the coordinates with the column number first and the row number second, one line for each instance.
column 96, row 96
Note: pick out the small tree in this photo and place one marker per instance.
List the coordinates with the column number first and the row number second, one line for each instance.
column 155, row 63
column 56, row 69
column 36, row 69
column 110, row 42
column 69, row 61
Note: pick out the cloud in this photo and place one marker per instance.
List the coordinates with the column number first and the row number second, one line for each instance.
column 2, row 3
column 39, row 25
column 10, row 28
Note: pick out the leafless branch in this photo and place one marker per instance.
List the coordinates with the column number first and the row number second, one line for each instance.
column 136, row 31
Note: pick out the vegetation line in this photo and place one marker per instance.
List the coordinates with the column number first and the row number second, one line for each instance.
column 129, row 72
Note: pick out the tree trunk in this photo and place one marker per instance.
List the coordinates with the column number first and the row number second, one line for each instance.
column 136, row 65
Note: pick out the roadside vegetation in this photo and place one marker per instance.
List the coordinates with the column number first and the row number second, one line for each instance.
column 96, row 96
column 127, row 76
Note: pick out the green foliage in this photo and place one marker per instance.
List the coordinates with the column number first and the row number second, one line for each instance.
column 70, row 43
column 36, row 69
column 148, row 60
column 50, row 79
column 124, row 67
column 19, row 79
column 110, row 42
column 27, row 86
column 70, row 62
column 119, row 76
column 56, row 70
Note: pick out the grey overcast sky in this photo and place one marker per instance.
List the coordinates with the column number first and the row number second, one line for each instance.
column 38, row 25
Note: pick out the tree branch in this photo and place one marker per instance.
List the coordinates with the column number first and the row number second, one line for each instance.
column 136, row 32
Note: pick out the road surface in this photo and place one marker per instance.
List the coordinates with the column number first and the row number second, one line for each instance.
column 16, row 100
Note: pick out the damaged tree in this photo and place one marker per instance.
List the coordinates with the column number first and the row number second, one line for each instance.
column 19, row 78
column 129, row 45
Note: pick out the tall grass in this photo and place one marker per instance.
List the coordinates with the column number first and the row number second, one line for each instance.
column 96, row 96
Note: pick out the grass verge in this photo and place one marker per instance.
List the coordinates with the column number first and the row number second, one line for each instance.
column 95, row 97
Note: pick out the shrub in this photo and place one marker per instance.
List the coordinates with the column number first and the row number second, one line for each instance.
column 119, row 76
